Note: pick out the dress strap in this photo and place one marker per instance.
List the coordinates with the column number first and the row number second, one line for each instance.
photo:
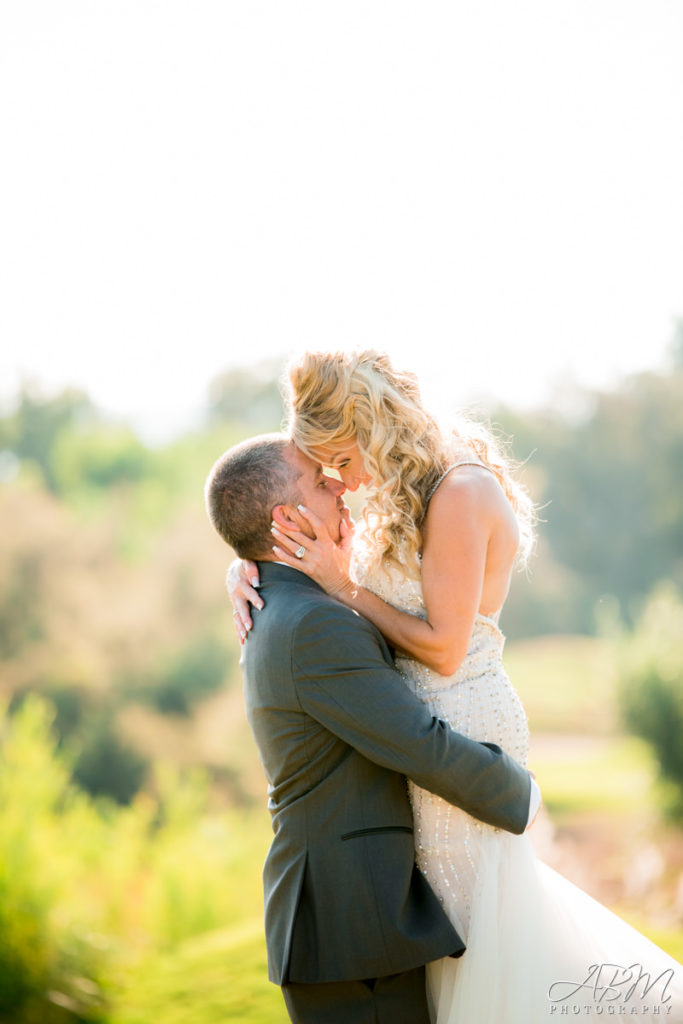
column 464, row 462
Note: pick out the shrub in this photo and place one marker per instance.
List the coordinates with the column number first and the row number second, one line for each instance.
column 90, row 891
column 182, row 678
column 50, row 972
column 106, row 766
column 651, row 690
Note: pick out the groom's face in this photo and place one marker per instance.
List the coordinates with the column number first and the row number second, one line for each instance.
column 322, row 494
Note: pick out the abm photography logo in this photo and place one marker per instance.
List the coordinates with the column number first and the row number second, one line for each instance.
column 613, row 990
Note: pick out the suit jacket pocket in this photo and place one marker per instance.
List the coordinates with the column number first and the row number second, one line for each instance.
column 376, row 830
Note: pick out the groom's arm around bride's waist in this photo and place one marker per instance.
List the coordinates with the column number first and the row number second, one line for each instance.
column 345, row 680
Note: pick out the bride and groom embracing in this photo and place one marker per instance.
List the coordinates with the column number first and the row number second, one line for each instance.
column 369, row 881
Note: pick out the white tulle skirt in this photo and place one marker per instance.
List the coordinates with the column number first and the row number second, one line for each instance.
column 540, row 950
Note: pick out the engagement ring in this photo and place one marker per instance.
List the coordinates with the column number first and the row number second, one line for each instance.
column 300, row 551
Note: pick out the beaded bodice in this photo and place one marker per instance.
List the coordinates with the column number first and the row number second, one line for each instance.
column 477, row 700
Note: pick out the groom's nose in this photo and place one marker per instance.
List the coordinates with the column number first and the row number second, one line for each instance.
column 336, row 486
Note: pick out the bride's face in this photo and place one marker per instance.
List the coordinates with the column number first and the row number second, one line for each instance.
column 347, row 459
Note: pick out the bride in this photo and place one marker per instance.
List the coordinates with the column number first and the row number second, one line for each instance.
column 444, row 525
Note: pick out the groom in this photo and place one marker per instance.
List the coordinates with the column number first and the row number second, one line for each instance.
column 350, row 921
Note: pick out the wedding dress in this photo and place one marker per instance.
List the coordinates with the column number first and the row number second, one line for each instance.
column 539, row 949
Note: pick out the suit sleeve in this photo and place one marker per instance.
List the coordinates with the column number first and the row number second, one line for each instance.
column 345, row 682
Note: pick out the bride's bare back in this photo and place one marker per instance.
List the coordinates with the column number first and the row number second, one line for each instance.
column 470, row 489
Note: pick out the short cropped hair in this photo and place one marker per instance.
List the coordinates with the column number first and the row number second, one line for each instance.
column 243, row 488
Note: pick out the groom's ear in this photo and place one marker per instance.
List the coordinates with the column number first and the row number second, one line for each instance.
column 290, row 517
column 284, row 515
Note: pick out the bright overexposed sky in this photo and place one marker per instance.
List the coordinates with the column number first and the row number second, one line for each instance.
column 491, row 191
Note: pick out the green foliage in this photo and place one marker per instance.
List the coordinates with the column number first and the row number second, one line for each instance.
column 93, row 895
column 31, row 549
column 71, row 705
column 248, row 397
column 21, row 624
column 49, row 971
column 567, row 683
column 99, row 458
column 613, row 513
column 126, row 915
column 102, row 763
column 215, row 978
column 35, row 427
column 76, row 618
column 652, row 684
column 186, row 677
column 603, row 473
column 609, row 775
column 107, row 766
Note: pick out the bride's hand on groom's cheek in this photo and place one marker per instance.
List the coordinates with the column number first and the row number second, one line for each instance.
column 346, row 529
column 241, row 581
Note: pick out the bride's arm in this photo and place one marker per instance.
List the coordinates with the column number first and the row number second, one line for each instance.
column 460, row 520
column 241, row 581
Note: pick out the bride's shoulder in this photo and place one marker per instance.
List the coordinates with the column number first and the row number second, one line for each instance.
column 469, row 488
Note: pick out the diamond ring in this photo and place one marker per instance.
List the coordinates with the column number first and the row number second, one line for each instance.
column 300, row 551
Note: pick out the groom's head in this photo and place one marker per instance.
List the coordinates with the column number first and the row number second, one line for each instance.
column 242, row 489
column 262, row 480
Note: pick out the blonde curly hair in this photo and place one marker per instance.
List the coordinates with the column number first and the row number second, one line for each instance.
column 338, row 397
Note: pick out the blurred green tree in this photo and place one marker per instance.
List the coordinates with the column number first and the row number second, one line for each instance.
column 33, row 429
column 184, row 677
column 250, row 397
column 106, row 765
column 49, row 970
column 612, row 509
column 100, row 457
column 651, row 684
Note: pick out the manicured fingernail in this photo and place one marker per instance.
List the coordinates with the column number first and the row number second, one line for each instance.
column 259, row 605
column 255, row 582
column 302, row 508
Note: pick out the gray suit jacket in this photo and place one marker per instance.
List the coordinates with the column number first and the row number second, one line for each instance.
column 338, row 730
